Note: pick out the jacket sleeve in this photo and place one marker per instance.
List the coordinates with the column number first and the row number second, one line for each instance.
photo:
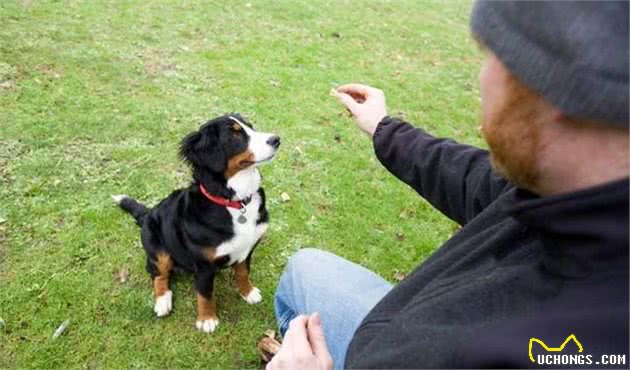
column 456, row 179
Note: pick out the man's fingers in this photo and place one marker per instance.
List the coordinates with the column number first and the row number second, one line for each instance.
column 361, row 93
column 270, row 365
column 317, row 339
column 296, row 338
column 356, row 89
column 347, row 101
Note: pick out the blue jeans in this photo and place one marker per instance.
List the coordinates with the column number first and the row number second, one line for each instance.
column 341, row 291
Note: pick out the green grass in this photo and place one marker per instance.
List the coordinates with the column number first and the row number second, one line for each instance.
column 94, row 97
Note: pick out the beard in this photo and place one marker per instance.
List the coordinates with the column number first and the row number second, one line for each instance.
column 512, row 132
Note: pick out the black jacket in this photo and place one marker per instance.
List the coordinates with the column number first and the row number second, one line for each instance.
column 521, row 267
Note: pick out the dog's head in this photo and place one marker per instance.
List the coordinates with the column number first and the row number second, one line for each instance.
column 227, row 145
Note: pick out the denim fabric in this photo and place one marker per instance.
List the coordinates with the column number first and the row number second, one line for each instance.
column 341, row 291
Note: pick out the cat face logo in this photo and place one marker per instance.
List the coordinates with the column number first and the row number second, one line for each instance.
column 553, row 349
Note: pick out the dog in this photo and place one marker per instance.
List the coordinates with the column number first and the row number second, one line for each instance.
column 214, row 223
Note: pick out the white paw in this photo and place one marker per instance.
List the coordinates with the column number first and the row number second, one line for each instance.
column 119, row 198
column 254, row 296
column 207, row 326
column 164, row 304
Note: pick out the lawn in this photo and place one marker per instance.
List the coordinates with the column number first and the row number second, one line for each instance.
column 94, row 97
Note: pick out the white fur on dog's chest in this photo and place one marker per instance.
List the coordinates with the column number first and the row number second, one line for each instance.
column 245, row 235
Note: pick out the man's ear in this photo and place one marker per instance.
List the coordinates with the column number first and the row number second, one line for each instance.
column 202, row 149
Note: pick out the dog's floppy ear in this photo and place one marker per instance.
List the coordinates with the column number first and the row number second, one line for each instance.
column 202, row 149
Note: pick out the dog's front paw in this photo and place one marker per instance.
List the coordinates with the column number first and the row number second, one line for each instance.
column 208, row 325
column 254, row 296
column 164, row 304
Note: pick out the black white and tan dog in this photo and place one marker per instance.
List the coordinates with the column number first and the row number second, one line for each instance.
column 215, row 222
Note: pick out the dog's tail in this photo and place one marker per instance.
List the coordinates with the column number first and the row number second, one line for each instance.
column 131, row 206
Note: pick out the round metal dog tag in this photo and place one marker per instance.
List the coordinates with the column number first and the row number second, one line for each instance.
column 241, row 219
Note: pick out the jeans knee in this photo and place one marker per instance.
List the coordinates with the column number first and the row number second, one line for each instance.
column 304, row 257
column 300, row 264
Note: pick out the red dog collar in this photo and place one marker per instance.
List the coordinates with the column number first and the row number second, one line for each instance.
column 220, row 200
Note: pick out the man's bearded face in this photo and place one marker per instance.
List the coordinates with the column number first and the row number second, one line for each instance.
column 511, row 123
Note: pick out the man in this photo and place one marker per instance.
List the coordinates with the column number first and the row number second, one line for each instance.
column 543, row 249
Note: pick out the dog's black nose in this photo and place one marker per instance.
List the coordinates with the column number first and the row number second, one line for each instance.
column 274, row 141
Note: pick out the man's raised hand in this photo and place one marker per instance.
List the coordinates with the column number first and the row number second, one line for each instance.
column 365, row 103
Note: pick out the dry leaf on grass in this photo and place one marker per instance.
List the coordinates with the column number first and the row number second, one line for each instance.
column 268, row 346
column 399, row 275
column 123, row 275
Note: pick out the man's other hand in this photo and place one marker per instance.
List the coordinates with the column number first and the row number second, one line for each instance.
column 304, row 346
column 365, row 103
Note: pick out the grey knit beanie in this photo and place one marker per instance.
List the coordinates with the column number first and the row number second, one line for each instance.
column 574, row 53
